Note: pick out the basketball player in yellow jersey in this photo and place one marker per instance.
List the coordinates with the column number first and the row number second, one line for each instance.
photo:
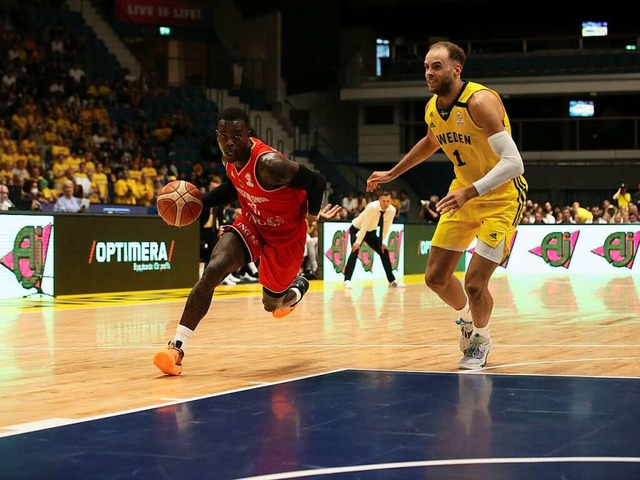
column 485, row 200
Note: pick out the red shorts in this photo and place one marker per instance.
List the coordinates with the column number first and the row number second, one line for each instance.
column 279, row 262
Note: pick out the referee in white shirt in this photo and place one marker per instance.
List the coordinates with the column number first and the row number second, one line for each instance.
column 363, row 229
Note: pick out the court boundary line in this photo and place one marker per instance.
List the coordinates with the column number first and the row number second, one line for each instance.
column 438, row 463
column 44, row 424
column 485, row 372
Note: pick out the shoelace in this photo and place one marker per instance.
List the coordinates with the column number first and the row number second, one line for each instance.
column 476, row 349
column 466, row 332
column 179, row 350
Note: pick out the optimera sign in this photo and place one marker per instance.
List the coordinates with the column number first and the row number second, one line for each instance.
column 80, row 253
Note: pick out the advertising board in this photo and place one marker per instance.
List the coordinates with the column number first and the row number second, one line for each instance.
column 592, row 249
column 26, row 255
column 336, row 250
column 115, row 253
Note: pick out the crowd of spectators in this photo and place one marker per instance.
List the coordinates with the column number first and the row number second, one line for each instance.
column 57, row 125
column 56, row 129
column 354, row 203
column 622, row 207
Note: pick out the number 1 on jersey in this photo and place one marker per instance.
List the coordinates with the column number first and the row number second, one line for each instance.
column 459, row 161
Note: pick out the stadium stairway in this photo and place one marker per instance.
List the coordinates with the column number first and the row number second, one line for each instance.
column 105, row 33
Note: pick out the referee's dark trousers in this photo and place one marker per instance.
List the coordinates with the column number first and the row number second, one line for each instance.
column 373, row 241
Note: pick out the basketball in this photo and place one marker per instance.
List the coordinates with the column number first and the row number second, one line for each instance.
column 179, row 203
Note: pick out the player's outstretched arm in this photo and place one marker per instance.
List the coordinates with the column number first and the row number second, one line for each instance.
column 422, row 150
column 378, row 177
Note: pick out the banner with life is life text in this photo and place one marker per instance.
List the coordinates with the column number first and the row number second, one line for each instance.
column 163, row 13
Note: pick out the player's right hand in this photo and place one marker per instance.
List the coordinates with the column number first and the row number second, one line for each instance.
column 455, row 199
column 376, row 178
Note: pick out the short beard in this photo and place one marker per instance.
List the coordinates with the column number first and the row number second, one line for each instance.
column 445, row 87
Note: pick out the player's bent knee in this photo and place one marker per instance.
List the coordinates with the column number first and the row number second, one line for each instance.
column 474, row 288
column 212, row 277
column 435, row 281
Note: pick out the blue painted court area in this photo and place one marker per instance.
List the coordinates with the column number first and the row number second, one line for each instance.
column 357, row 424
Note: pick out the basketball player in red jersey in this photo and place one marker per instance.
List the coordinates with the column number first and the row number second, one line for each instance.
column 276, row 195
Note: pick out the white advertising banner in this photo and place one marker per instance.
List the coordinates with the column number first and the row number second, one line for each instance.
column 593, row 249
column 337, row 248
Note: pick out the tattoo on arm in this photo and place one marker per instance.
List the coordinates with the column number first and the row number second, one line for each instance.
column 273, row 170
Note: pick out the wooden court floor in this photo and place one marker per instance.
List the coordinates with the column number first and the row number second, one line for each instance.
column 85, row 356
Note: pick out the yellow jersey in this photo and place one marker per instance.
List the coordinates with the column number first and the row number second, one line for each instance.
column 466, row 144
column 583, row 215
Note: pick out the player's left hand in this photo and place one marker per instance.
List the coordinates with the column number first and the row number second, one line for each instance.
column 328, row 212
column 455, row 199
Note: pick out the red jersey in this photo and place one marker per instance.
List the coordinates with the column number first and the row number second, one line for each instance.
column 279, row 214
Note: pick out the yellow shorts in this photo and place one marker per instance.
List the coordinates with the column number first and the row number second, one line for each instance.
column 491, row 220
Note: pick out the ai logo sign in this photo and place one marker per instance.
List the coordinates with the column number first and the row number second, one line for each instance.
column 557, row 248
column 620, row 249
column 27, row 259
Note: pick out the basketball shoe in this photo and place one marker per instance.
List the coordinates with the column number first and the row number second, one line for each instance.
column 169, row 360
column 229, row 280
column 302, row 285
column 475, row 356
column 247, row 277
column 466, row 330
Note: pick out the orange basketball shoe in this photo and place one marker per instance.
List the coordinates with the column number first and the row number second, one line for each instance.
column 302, row 285
column 169, row 360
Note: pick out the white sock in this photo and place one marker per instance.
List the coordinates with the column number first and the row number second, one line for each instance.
column 482, row 331
column 182, row 335
column 465, row 313
column 253, row 268
column 298, row 294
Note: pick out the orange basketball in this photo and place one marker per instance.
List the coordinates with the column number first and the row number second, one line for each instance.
column 179, row 203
